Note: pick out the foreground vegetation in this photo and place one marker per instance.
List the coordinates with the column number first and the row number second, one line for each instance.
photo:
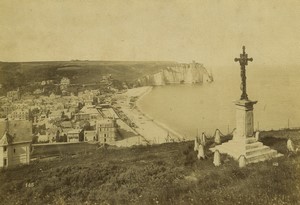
column 159, row 174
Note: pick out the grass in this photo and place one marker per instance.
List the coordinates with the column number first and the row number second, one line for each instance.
column 159, row 174
column 125, row 134
column 58, row 149
column 277, row 139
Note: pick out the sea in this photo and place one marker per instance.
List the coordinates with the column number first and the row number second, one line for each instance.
column 193, row 109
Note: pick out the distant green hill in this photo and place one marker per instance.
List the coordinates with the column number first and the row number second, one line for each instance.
column 17, row 74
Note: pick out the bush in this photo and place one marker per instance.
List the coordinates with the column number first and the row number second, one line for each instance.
column 190, row 155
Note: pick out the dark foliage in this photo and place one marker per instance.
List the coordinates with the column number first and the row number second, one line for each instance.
column 14, row 75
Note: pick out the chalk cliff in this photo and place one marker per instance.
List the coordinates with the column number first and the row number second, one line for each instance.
column 180, row 73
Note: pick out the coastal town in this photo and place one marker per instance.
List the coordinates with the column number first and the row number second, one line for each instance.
column 52, row 115
column 90, row 130
column 140, row 102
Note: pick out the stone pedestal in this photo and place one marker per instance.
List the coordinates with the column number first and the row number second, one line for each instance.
column 244, row 143
column 244, row 119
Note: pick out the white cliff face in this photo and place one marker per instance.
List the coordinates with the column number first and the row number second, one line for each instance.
column 181, row 73
column 158, row 78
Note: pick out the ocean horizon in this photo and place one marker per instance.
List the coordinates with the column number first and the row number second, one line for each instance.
column 191, row 109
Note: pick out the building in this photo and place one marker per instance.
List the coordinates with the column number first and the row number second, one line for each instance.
column 90, row 135
column 66, row 126
column 13, row 95
column 89, row 113
column 55, row 114
column 53, row 96
column 64, row 83
column 19, row 114
column 21, row 105
column 15, row 142
column 106, row 131
column 87, row 97
column 52, row 131
column 43, row 138
column 106, row 79
column 109, row 113
column 6, row 109
column 75, row 135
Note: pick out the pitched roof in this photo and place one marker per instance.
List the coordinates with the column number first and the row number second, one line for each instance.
column 89, row 110
column 66, row 124
column 3, row 140
column 21, row 130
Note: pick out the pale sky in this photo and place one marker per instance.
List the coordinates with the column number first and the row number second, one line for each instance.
column 210, row 31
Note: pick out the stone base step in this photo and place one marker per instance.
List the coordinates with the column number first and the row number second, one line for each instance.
column 254, row 151
column 250, row 140
column 257, row 150
column 237, row 143
column 231, row 149
column 253, row 145
column 259, row 157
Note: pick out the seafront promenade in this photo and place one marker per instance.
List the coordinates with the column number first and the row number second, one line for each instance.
column 151, row 131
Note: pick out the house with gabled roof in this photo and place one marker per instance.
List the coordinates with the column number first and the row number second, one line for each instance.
column 89, row 113
column 15, row 143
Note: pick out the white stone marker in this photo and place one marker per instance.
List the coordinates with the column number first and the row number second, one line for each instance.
column 217, row 158
column 203, row 139
column 242, row 161
column 196, row 144
column 217, row 137
column 257, row 136
column 290, row 146
column 201, row 153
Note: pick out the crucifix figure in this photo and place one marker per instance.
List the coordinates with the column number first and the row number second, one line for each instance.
column 243, row 62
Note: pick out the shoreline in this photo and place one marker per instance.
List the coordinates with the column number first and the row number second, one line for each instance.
column 160, row 124
column 153, row 131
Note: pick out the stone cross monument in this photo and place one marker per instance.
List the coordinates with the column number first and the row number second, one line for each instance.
column 244, row 147
column 244, row 106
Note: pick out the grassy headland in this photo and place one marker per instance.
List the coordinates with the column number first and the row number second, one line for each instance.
column 158, row 174
column 20, row 74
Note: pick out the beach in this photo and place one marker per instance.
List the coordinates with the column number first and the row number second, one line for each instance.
column 151, row 131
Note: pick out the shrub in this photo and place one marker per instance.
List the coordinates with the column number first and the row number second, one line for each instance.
column 190, row 155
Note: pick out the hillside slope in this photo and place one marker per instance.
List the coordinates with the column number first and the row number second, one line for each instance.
column 161, row 174
column 13, row 75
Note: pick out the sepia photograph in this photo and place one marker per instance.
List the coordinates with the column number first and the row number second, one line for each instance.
column 148, row 102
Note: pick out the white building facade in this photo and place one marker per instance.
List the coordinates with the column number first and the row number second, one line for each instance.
column 13, row 153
